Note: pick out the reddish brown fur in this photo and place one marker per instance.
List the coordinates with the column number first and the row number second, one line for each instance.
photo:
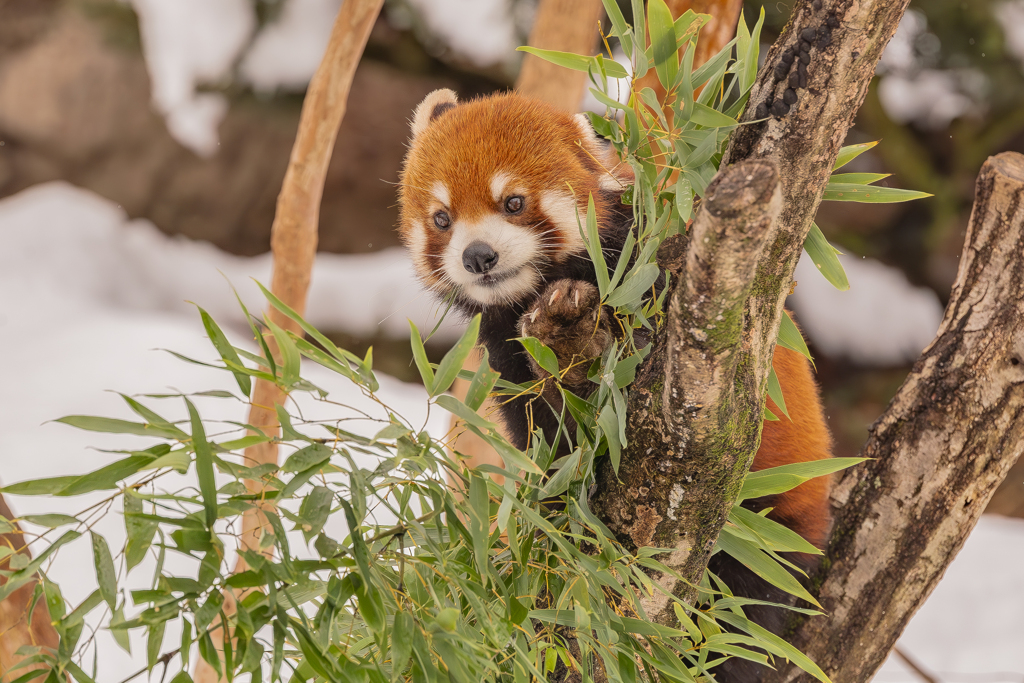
column 464, row 147
column 803, row 438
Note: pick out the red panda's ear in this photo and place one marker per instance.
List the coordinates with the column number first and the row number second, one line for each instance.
column 617, row 175
column 432, row 106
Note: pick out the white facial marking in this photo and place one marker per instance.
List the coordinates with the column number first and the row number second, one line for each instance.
column 560, row 208
column 498, row 183
column 513, row 275
column 441, row 194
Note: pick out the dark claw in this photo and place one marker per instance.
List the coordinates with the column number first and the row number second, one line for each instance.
column 780, row 108
column 789, row 97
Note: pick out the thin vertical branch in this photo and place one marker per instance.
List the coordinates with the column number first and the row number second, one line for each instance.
column 294, row 233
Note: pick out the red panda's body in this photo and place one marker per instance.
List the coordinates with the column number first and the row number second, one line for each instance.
column 489, row 200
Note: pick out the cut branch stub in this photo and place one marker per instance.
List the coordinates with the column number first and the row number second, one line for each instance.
column 694, row 432
column 947, row 440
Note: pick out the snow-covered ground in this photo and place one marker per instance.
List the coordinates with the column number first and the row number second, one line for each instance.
column 89, row 296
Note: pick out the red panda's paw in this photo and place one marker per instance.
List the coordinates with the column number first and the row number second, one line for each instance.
column 567, row 317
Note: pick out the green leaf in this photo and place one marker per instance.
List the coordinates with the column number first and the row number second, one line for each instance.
column 112, row 426
column 869, row 194
column 609, row 423
column 780, row 479
column 290, row 357
column 577, row 62
column 775, row 392
column 401, row 643
column 704, row 115
column 39, row 487
column 790, row 337
column 595, row 250
column 777, row 537
column 774, row 644
column 482, row 383
column 763, row 565
column 858, row 178
column 636, row 284
column 106, row 575
column 851, row 152
column 825, row 257
column 456, row 357
column 663, row 42
column 419, row 354
column 544, row 356
column 140, row 531
column 463, row 412
column 204, row 466
column 226, row 350
column 51, row 521
column 307, row 457
column 568, row 472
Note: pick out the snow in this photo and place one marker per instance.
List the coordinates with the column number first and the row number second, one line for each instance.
column 287, row 51
column 84, row 249
column 1010, row 15
column 188, row 43
column 881, row 320
column 482, row 31
column 90, row 295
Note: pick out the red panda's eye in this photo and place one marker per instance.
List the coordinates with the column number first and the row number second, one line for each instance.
column 442, row 220
column 514, row 204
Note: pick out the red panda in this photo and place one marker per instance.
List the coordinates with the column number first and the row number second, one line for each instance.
column 489, row 196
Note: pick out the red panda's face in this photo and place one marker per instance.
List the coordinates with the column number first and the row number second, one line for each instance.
column 493, row 191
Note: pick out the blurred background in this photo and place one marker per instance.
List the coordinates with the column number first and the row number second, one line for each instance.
column 143, row 143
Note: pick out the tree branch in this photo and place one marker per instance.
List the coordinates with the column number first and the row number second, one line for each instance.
column 695, row 410
column 947, row 440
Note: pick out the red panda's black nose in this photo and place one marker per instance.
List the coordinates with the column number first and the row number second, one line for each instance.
column 479, row 258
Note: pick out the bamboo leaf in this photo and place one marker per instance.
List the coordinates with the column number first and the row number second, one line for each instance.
column 663, row 42
column 636, row 284
column 775, row 392
column 204, row 466
column 544, row 356
column 869, row 194
column 456, row 357
column 851, row 152
column 226, row 350
column 482, row 383
column 419, row 355
column 577, row 62
column 780, row 479
column 791, row 338
column 106, row 575
column 763, row 565
column 825, row 258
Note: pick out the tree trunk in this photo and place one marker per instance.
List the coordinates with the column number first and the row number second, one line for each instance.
column 703, row 389
column 944, row 444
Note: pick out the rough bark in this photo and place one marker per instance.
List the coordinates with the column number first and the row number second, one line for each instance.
column 711, row 412
column 294, row 234
column 944, row 444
